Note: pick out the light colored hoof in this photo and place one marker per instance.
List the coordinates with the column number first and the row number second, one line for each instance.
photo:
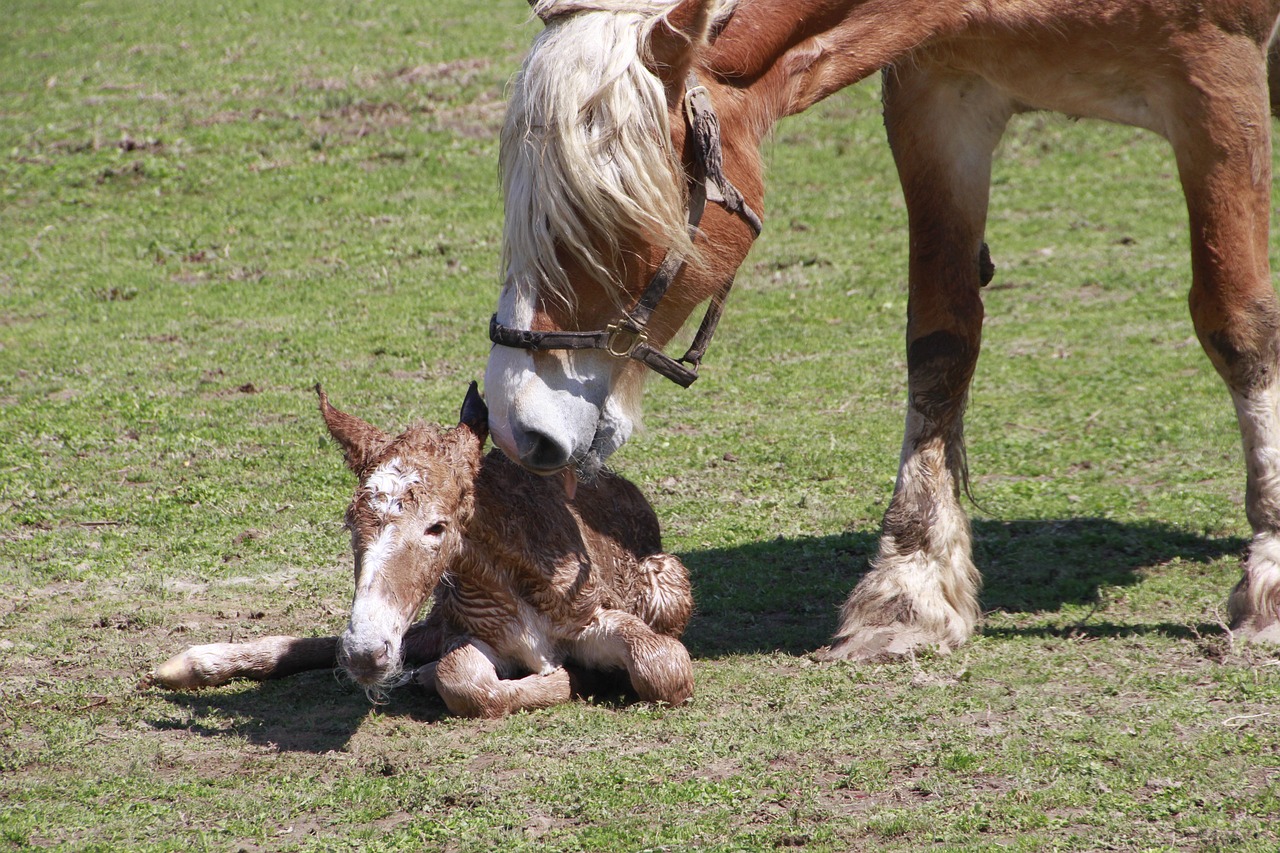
column 1268, row 635
column 179, row 673
column 882, row 644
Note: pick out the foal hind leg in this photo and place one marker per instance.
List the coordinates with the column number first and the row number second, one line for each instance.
column 657, row 665
column 922, row 589
column 1223, row 149
column 662, row 596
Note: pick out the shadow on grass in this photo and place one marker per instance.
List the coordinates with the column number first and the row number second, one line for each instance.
column 313, row 712
column 782, row 595
column 319, row 712
column 785, row 595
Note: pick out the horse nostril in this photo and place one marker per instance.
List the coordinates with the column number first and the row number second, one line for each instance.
column 541, row 452
column 368, row 663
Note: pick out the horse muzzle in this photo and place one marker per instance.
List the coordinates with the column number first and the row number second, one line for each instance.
column 550, row 419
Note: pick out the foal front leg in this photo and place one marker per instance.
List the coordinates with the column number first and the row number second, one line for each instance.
column 922, row 589
column 262, row 659
column 467, row 679
column 269, row 658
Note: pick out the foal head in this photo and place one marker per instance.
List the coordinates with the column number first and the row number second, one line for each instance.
column 595, row 172
column 407, row 520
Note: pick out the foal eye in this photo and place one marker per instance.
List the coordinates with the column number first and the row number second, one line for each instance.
column 436, row 530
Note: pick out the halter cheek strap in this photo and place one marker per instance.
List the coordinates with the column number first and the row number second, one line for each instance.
column 626, row 336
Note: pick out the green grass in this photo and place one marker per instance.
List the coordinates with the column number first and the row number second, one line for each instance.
column 207, row 208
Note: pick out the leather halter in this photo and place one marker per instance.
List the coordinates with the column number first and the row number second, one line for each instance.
column 626, row 336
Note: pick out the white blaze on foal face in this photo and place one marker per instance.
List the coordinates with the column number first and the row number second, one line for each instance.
column 397, row 529
column 406, row 519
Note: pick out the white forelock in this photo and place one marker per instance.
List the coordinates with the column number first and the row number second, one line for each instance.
column 586, row 156
column 388, row 485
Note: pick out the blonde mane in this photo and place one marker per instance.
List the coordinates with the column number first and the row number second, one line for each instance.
column 586, row 156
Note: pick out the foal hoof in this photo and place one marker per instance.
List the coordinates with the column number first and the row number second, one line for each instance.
column 187, row 670
column 882, row 644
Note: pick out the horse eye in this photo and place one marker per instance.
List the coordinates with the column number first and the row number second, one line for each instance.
column 437, row 529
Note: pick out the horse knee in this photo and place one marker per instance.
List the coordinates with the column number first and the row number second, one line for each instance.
column 1243, row 345
column 468, row 683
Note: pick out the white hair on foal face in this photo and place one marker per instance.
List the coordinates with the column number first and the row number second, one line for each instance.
column 387, row 486
column 379, row 536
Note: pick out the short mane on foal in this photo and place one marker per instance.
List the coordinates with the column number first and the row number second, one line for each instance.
column 586, row 155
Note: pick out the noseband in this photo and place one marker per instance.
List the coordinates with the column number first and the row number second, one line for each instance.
column 626, row 336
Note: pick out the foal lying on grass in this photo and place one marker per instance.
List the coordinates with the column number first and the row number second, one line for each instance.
column 525, row 580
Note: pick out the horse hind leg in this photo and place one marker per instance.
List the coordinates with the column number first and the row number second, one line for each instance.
column 1223, row 149
column 922, row 589
column 261, row 660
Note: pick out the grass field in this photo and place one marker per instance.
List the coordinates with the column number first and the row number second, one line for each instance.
column 206, row 208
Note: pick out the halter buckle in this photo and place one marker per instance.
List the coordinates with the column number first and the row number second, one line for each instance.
column 622, row 341
column 690, row 108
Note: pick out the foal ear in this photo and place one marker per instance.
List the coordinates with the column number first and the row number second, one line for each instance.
column 360, row 441
column 475, row 414
column 677, row 36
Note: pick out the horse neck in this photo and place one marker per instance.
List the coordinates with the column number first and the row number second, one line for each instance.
column 786, row 55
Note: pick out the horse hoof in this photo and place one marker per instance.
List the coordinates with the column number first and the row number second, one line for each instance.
column 1266, row 635
column 882, row 644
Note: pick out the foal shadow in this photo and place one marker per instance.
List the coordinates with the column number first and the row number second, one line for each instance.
column 314, row 712
column 785, row 595
column 320, row 711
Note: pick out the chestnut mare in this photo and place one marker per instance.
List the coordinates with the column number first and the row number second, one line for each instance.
column 608, row 162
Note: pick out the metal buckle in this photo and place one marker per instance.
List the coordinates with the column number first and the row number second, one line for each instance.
column 690, row 110
column 619, row 346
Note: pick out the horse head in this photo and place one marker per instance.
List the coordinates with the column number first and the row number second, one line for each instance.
column 609, row 242
column 407, row 520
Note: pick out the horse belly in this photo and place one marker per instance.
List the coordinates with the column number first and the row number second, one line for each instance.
column 1125, row 62
column 1113, row 91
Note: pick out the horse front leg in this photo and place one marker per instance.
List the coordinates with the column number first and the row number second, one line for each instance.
column 1222, row 142
column 921, row 592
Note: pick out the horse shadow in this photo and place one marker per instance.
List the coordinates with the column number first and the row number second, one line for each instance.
column 778, row 596
column 785, row 595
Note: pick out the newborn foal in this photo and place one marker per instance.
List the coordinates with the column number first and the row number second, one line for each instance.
column 525, row 579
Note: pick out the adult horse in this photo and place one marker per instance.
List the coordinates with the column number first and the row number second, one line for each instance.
column 629, row 116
